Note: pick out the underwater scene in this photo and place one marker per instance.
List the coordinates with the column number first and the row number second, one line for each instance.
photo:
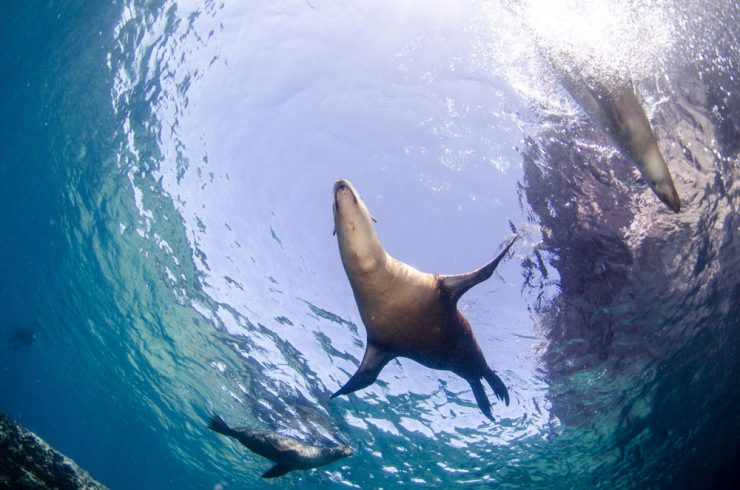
column 373, row 244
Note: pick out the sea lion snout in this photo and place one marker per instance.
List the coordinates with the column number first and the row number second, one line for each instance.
column 342, row 190
column 341, row 184
column 655, row 170
column 669, row 196
column 667, row 193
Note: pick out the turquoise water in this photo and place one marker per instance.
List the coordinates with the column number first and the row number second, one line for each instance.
column 165, row 187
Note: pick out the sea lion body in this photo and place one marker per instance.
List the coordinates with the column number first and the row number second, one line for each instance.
column 287, row 452
column 399, row 295
column 616, row 110
column 406, row 312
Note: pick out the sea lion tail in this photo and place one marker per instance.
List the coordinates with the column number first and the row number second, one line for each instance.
column 217, row 424
column 498, row 386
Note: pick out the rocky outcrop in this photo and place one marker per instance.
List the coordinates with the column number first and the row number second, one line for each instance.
column 27, row 462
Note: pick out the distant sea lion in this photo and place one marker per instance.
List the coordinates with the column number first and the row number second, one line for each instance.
column 617, row 112
column 23, row 335
column 408, row 313
column 288, row 453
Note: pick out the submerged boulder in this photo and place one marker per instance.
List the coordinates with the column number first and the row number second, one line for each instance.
column 27, row 462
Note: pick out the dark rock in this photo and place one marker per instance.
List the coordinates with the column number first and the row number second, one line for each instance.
column 27, row 462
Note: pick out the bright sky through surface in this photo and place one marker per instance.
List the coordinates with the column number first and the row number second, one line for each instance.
column 396, row 97
column 407, row 100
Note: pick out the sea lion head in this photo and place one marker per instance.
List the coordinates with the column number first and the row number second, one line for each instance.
column 342, row 451
column 660, row 179
column 359, row 246
column 334, row 453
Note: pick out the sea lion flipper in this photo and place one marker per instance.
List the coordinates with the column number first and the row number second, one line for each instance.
column 217, row 424
column 374, row 360
column 275, row 471
column 480, row 397
column 498, row 386
column 459, row 284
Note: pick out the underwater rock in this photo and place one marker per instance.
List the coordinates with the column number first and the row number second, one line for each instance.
column 27, row 462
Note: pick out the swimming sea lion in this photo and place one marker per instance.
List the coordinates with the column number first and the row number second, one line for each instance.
column 288, row 453
column 408, row 313
column 617, row 112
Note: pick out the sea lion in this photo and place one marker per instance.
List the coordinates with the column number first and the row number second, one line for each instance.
column 288, row 453
column 617, row 112
column 408, row 313
column 24, row 335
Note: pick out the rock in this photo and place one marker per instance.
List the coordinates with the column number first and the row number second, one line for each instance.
column 27, row 462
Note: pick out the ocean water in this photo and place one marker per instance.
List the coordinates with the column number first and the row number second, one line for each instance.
column 167, row 252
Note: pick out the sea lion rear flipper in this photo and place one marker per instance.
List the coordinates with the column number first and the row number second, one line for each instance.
column 275, row 471
column 498, row 386
column 480, row 397
column 459, row 284
column 373, row 361
column 217, row 424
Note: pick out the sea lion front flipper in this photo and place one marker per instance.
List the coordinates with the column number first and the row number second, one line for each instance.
column 498, row 386
column 374, row 360
column 275, row 471
column 458, row 284
column 480, row 397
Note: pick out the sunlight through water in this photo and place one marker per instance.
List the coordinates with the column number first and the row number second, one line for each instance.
column 170, row 251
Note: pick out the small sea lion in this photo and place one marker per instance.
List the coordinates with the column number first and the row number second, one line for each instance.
column 288, row 453
column 617, row 112
column 24, row 335
column 408, row 313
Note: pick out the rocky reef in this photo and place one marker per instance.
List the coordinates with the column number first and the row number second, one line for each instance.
column 27, row 462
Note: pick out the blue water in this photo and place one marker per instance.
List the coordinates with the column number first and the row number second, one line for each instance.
column 167, row 249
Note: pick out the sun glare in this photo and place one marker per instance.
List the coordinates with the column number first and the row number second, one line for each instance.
column 620, row 38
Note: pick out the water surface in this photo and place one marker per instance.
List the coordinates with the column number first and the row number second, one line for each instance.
column 165, row 187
